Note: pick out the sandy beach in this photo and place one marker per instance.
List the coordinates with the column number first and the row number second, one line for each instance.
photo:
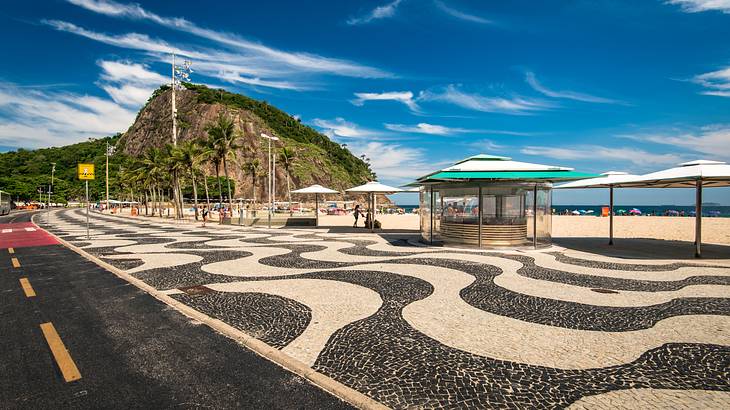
column 714, row 230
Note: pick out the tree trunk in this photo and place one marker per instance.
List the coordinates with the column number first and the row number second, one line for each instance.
column 288, row 190
column 218, row 178
column 207, row 195
column 195, row 193
column 146, row 210
column 228, row 182
column 253, row 175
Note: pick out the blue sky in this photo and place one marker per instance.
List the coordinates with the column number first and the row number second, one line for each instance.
column 597, row 85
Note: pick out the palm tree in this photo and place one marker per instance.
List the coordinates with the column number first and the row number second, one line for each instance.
column 253, row 167
column 206, row 155
column 224, row 135
column 287, row 158
column 189, row 155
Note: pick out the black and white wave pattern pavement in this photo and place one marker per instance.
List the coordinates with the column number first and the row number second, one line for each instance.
column 414, row 326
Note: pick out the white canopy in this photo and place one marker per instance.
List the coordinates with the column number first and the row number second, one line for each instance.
column 315, row 189
column 484, row 162
column 606, row 180
column 375, row 187
column 693, row 174
column 686, row 175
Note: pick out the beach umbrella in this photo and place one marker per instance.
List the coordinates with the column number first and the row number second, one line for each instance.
column 693, row 174
column 373, row 188
column 608, row 180
column 316, row 190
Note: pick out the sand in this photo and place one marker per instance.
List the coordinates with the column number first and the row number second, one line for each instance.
column 714, row 230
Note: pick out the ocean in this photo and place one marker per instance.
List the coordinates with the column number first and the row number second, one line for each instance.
column 724, row 211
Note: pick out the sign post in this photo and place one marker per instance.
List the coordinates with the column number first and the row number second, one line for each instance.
column 86, row 173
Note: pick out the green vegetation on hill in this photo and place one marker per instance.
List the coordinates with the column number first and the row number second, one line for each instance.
column 23, row 171
column 287, row 127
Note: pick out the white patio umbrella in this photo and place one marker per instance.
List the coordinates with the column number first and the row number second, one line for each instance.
column 693, row 174
column 316, row 190
column 373, row 188
column 607, row 180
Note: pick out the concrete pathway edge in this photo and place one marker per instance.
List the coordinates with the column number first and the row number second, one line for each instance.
column 270, row 353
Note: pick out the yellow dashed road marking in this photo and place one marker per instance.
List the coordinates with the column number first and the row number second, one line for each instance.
column 25, row 283
column 16, row 262
column 65, row 363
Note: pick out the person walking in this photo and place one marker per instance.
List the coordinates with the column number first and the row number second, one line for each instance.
column 205, row 215
column 357, row 215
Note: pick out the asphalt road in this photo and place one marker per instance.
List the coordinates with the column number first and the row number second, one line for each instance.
column 131, row 350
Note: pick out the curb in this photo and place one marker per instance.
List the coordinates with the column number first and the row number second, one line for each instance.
column 270, row 353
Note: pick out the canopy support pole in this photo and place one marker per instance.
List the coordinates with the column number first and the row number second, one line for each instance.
column 610, row 215
column 698, row 221
column 534, row 217
column 480, row 216
column 372, row 212
column 316, row 209
column 432, row 215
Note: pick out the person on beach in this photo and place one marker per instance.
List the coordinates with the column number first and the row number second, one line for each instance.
column 356, row 214
column 205, row 215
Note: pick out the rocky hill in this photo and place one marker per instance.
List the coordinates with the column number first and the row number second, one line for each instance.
column 318, row 160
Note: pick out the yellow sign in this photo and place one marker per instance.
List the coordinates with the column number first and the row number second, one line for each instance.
column 86, row 171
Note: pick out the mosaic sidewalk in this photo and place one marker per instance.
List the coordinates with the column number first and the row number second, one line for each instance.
column 413, row 326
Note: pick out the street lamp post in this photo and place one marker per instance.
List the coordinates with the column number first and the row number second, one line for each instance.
column 271, row 169
column 109, row 152
column 50, row 189
column 179, row 74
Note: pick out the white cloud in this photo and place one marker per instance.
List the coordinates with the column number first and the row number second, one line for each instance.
column 487, row 146
column 716, row 83
column 404, row 97
column 33, row 118
column 596, row 153
column 393, row 162
column 425, row 128
column 695, row 6
column 713, row 140
column 247, row 53
column 513, row 105
column 460, row 14
column 381, row 12
column 128, row 83
column 571, row 95
column 339, row 127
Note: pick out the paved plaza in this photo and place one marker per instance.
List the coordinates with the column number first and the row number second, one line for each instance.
column 425, row 327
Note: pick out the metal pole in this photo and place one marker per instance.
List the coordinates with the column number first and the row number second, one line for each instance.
column 372, row 213
column 87, row 210
column 610, row 215
column 269, row 181
column 698, row 221
column 316, row 209
column 480, row 216
column 534, row 217
column 273, row 182
column 174, row 109
column 432, row 215
column 107, row 176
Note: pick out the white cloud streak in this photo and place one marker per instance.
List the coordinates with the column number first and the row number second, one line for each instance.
column 238, row 60
column 33, row 118
column 425, row 128
column 339, row 127
column 404, row 97
column 713, row 140
column 716, row 83
column 381, row 12
column 571, row 95
column 460, row 14
column 128, row 83
column 696, row 6
column 513, row 105
column 597, row 153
